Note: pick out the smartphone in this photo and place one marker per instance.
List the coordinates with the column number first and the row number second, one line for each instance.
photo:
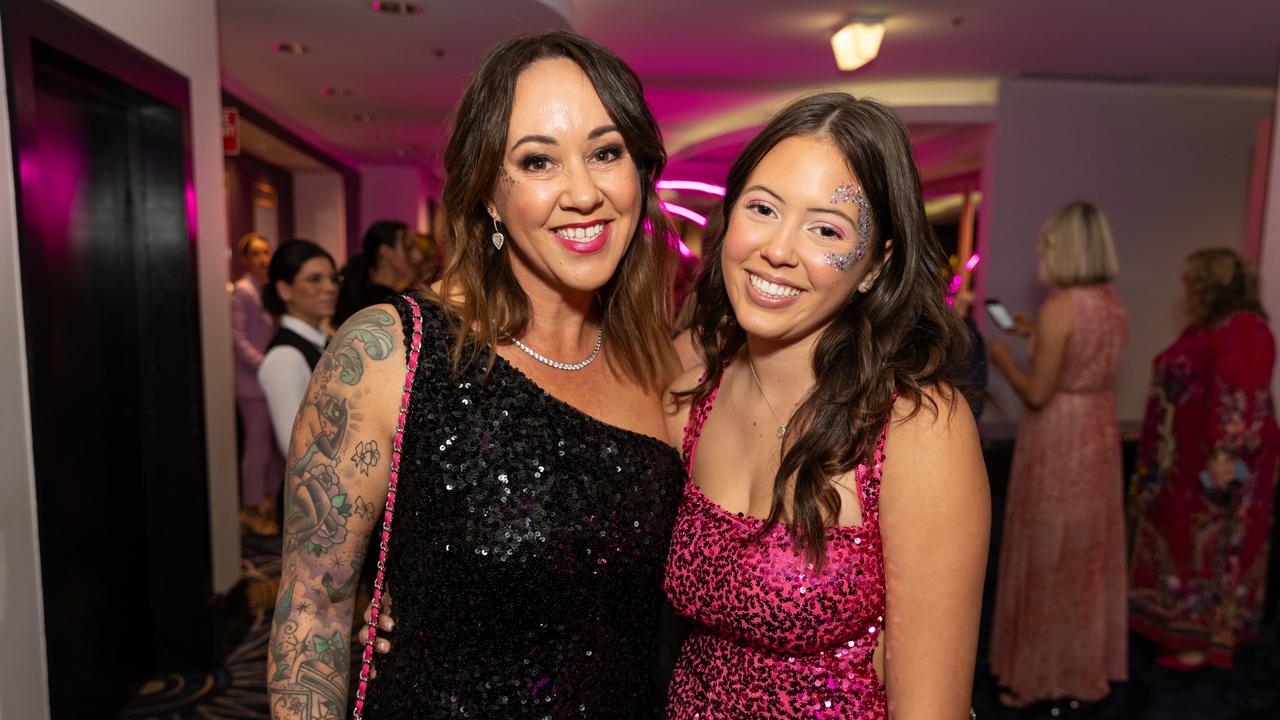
column 1000, row 314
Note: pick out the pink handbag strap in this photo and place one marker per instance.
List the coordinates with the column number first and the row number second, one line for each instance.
column 367, row 661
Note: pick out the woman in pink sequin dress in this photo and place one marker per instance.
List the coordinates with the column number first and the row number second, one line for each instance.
column 830, row 546
column 1059, row 628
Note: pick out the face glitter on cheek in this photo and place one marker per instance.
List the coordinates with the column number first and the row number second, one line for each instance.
column 842, row 262
column 505, row 178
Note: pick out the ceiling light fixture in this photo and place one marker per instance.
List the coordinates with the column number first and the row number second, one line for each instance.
column 692, row 186
column 394, row 8
column 362, row 117
column 289, row 48
column 336, row 91
column 857, row 43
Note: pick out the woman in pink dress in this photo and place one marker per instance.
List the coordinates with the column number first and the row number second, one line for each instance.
column 1205, row 480
column 830, row 546
column 1059, row 629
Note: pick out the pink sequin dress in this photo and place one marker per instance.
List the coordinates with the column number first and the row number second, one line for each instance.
column 771, row 637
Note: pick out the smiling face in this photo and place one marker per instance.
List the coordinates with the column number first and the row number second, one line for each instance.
column 799, row 241
column 567, row 192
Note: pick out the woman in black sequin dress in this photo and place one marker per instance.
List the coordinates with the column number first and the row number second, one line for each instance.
column 535, row 502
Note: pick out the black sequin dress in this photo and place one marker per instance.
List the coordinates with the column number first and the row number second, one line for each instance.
column 526, row 555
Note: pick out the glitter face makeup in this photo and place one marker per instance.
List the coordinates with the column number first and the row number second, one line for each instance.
column 852, row 193
column 842, row 262
column 505, row 178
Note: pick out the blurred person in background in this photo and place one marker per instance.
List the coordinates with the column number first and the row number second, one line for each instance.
column 251, row 330
column 1059, row 628
column 1202, row 490
column 302, row 293
column 388, row 264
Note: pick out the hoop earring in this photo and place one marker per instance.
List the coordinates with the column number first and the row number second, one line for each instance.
column 498, row 238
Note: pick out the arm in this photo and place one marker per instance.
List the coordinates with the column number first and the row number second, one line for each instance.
column 337, row 473
column 241, row 306
column 1053, row 332
column 283, row 378
column 935, row 519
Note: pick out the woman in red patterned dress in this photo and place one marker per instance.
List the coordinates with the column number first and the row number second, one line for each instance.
column 1202, row 491
column 1059, row 629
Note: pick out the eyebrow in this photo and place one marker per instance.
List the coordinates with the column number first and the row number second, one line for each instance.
column 548, row 140
column 812, row 209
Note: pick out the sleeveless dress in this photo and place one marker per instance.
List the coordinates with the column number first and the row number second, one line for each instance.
column 1059, row 627
column 772, row 637
column 526, row 555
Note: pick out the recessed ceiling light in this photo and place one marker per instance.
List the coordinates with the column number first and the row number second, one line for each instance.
column 857, row 43
column 336, row 91
column 289, row 48
column 362, row 117
column 394, row 8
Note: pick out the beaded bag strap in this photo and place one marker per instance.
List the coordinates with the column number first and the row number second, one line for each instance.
column 367, row 661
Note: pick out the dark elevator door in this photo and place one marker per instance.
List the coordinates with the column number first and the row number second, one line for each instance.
column 109, row 290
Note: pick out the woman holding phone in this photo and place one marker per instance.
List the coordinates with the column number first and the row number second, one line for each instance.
column 1059, row 629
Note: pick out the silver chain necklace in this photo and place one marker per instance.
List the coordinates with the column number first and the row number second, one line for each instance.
column 556, row 363
column 782, row 426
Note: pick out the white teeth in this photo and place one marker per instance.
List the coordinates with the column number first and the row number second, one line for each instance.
column 771, row 289
column 580, row 234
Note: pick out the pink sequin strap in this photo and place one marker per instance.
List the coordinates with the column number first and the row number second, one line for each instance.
column 367, row 661
column 697, row 416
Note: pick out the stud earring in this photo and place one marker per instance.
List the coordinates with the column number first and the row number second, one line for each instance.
column 498, row 238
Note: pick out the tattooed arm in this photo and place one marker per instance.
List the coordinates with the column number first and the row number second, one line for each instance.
column 336, row 484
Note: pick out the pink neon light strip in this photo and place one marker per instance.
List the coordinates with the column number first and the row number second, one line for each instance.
column 685, row 212
column 974, row 259
column 692, row 185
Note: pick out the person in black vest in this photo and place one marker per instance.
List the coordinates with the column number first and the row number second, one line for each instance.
column 302, row 289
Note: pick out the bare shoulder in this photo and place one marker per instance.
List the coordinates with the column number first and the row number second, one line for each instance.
column 367, row 357
column 686, row 351
column 675, row 408
column 1057, row 308
column 934, row 449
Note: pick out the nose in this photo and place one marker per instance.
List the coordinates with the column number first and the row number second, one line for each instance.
column 779, row 248
column 581, row 192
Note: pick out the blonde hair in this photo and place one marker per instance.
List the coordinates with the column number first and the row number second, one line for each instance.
column 248, row 239
column 1076, row 247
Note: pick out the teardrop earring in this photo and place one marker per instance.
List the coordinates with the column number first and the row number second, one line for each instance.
column 498, row 238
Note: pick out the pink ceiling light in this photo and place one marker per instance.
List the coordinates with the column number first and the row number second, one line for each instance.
column 685, row 212
column 693, row 186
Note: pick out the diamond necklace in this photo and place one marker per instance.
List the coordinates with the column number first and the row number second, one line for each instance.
column 559, row 365
column 782, row 426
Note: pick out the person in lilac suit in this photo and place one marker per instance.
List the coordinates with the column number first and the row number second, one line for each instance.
column 252, row 327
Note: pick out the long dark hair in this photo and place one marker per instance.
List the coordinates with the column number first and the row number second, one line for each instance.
column 488, row 303
column 356, row 276
column 899, row 337
column 285, row 265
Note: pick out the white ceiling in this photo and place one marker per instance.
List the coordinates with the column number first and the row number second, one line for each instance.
column 714, row 68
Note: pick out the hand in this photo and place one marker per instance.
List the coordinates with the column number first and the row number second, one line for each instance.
column 1023, row 325
column 386, row 624
column 1222, row 470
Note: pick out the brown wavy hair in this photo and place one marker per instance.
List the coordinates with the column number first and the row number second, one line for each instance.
column 1220, row 282
column 900, row 336
column 487, row 303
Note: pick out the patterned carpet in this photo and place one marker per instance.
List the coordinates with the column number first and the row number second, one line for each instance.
column 1250, row 691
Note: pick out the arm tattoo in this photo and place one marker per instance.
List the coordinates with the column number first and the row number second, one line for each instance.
column 309, row 656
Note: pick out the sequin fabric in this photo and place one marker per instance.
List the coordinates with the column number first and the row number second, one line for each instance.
column 525, row 563
column 772, row 637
